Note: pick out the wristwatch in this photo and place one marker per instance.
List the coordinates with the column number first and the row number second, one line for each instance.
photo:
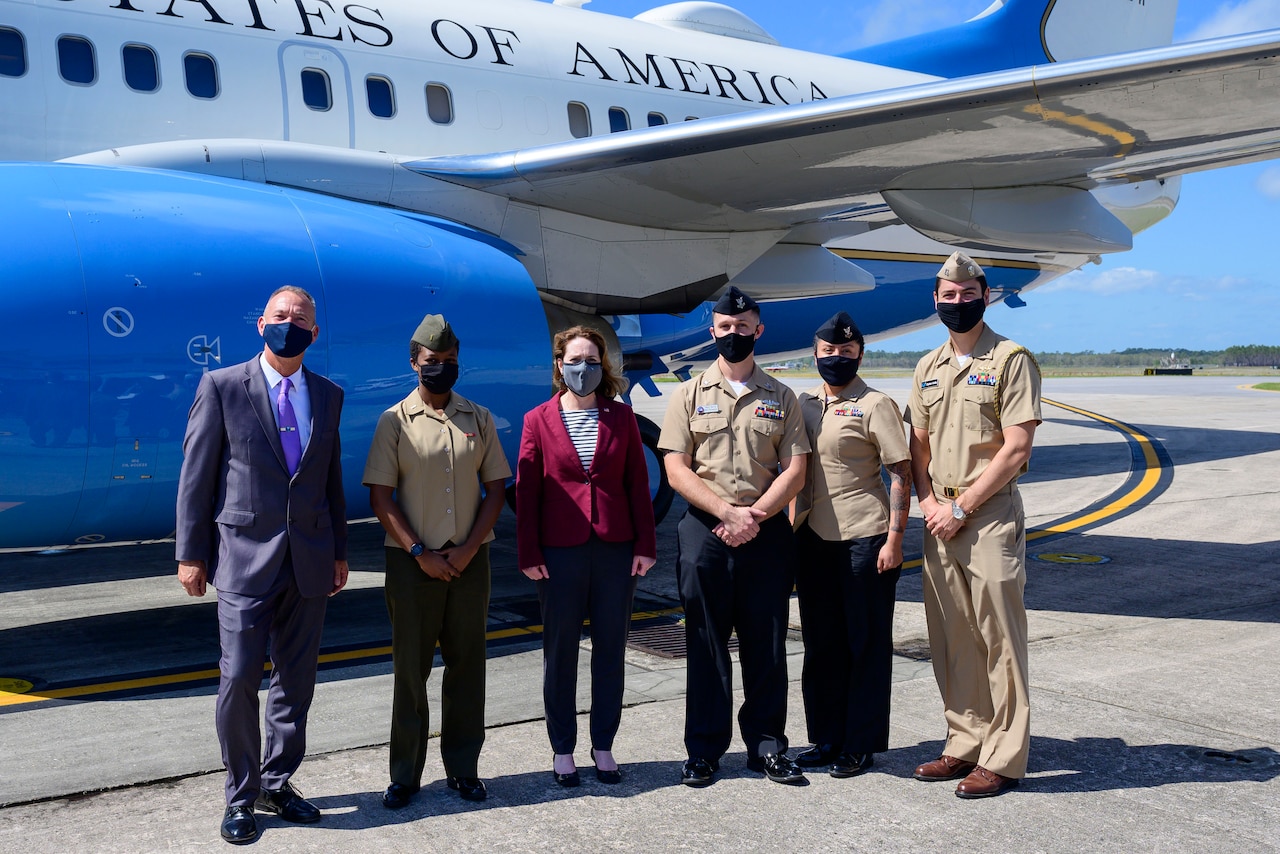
column 416, row 549
column 957, row 512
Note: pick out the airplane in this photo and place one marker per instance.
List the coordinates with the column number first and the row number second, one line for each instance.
column 521, row 166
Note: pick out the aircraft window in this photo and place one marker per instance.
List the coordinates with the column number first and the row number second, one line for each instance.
column 75, row 60
column 439, row 103
column 618, row 120
column 315, row 89
column 13, row 53
column 656, row 119
column 382, row 98
column 202, row 75
column 579, row 120
column 141, row 74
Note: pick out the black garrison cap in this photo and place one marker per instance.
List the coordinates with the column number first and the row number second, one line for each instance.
column 840, row 329
column 735, row 301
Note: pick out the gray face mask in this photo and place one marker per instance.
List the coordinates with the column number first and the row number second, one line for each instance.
column 582, row 378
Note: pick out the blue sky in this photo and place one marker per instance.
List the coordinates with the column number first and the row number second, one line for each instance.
column 1203, row 279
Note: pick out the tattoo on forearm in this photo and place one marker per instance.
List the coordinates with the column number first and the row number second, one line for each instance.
column 899, row 495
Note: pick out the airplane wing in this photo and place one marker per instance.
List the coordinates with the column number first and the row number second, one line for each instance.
column 657, row 219
column 1070, row 126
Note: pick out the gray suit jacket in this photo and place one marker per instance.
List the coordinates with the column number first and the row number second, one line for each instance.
column 238, row 509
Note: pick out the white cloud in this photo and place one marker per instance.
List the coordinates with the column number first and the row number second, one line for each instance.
column 1244, row 17
column 1268, row 183
column 1124, row 282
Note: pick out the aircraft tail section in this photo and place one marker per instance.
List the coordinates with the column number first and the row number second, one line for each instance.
column 1017, row 33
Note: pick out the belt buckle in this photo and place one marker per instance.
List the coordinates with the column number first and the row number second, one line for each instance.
column 951, row 491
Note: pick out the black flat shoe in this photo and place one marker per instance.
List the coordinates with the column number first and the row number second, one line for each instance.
column 470, row 788
column 818, row 756
column 608, row 777
column 288, row 804
column 851, row 764
column 569, row 780
column 239, row 827
column 398, row 795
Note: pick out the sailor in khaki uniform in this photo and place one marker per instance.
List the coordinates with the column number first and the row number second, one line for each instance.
column 849, row 538
column 736, row 451
column 430, row 455
column 973, row 411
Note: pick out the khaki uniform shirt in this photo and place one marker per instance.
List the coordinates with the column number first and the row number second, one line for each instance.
column 436, row 463
column 852, row 435
column 735, row 442
column 958, row 405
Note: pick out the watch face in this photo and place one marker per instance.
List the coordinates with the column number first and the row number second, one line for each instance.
column 956, row 511
column 416, row 550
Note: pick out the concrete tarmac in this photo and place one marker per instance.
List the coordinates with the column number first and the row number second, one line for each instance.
column 1153, row 596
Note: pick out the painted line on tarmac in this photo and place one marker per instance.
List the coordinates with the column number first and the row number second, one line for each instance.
column 194, row 678
column 1150, row 473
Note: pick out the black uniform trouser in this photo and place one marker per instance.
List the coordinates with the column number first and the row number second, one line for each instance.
column 593, row 582
column 723, row 588
column 846, row 615
column 424, row 611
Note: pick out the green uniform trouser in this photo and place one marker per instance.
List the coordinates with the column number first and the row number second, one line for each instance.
column 425, row 611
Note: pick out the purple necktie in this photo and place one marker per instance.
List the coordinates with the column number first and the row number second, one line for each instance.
column 289, row 438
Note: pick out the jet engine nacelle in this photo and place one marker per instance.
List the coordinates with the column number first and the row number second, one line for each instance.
column 121, row 287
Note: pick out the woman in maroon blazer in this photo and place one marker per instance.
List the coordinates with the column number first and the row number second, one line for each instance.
column 585, row 533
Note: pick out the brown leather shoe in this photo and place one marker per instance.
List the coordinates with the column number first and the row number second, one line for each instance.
column 943, row 768
column 982, row 783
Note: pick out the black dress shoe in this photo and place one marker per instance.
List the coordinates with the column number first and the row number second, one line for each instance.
column 610, row 778
column 398, row 796
column 470, row 788
column 818, row 756
column 851, row 764
column 239, row 827
column 778, row 767
column 288, row 804
column 698, row 772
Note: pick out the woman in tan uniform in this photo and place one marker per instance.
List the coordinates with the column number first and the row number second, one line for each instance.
column 849, row 537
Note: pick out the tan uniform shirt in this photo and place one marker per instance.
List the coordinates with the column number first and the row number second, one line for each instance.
column 852, row 435
column 957, row 405
column 436, row 463
column 735, row 442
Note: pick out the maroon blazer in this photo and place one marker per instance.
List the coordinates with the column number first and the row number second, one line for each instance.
column 558, row 504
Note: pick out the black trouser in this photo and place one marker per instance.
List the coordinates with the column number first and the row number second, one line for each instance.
column 591, row 581
column 846, row 615
column 723, row 588
column 424, row 611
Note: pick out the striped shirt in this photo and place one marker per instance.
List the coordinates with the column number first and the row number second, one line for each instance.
column 584, row 429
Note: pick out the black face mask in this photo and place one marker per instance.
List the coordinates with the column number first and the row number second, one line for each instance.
column 961, row 316
column 439, row 378
column 838, row 371
column 734, row 347
column 286, row 340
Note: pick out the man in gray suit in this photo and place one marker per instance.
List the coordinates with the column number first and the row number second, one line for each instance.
column 261, row 517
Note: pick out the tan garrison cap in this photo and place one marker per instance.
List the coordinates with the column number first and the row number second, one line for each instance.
column 959, row 268
column 435, row 333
